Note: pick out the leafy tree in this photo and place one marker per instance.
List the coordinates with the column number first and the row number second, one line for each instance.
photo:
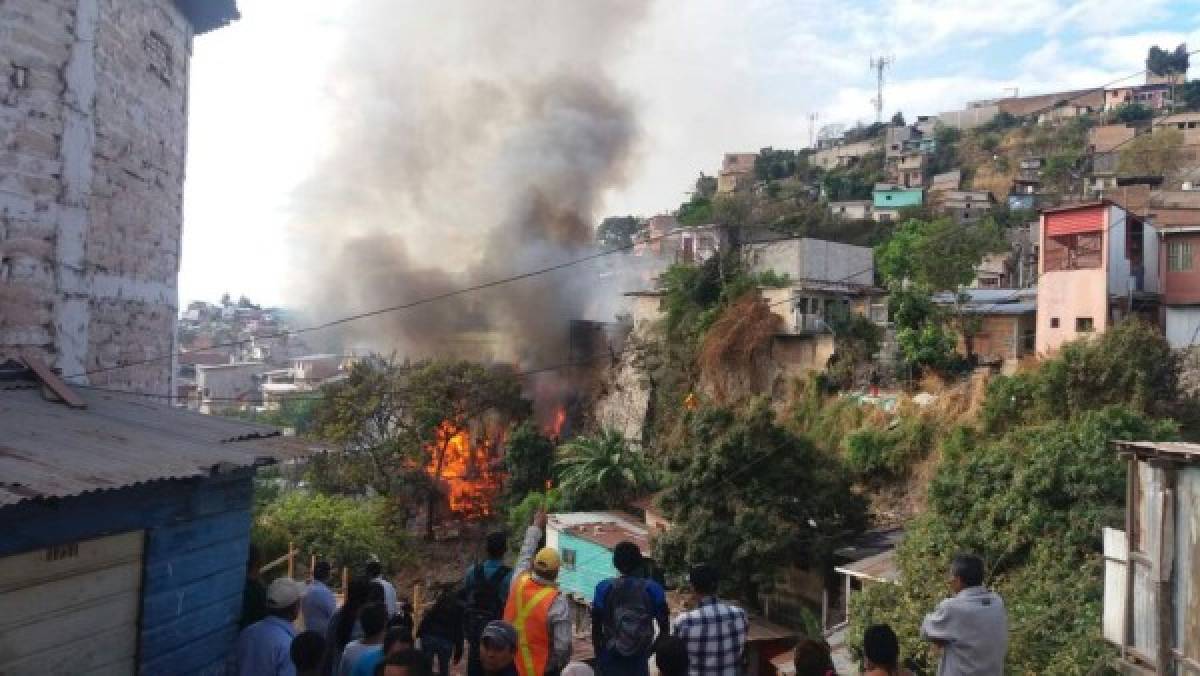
column 602, row 471
column 773, row 165
column 343, row 529
column 898, row 119
column 854, row 182
column 520, row 515
column 294, row 412
column 1161, row 62
column 856, row 341
column 696, row 211
column 1129, row 113
column 616, row 232
column 529, row 460
column 1189, row 95
column 1032, row 504
column 389, row 419
column 940, row 255
column 755, row 499
column 1156, row 154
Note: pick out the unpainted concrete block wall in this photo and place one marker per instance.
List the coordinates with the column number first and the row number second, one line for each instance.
column 93, row 132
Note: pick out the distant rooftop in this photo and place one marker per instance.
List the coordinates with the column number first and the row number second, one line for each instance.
column 208, row 15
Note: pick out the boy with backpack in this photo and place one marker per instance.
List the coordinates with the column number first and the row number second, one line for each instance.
column 624, row 611
column 485, row 589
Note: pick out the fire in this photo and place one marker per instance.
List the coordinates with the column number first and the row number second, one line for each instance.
column 554, row 429
column 466, row 470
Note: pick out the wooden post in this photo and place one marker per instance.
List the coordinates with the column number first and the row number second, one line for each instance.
column 1163, row 570
column 292, row 560
column 416, row 601
column 345, row 581
column 312, row 566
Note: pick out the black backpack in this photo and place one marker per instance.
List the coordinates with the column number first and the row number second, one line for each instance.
column 630, row 618
column 483, row 602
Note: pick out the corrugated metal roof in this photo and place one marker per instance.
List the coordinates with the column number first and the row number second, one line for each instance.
column 881, row 568
column 48, row 450
column 1171, row 450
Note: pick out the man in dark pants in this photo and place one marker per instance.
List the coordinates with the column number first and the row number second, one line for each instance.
column 624, row 611
column 485, row 589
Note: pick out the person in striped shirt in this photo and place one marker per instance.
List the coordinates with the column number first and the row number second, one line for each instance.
column 715, row 632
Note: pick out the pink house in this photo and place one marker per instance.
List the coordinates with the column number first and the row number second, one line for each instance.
column 1153, row 96
column 1098, row 263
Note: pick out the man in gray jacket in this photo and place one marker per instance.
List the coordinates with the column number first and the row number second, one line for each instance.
column 971, row 627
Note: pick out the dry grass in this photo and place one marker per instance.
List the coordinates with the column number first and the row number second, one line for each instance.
column 733, row 357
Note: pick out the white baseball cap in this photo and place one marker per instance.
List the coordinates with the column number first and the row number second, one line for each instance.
column 284, row 592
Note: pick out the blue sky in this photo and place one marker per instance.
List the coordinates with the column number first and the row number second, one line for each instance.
column 705, row 77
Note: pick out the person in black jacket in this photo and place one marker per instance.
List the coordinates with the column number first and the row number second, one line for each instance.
column 441, row 632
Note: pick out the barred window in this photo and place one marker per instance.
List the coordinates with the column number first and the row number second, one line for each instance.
column 1179, row 256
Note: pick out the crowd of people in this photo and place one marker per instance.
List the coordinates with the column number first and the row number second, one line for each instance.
column 515, row 622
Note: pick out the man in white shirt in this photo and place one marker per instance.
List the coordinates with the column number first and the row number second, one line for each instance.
column 971, row 627
column 375, row 574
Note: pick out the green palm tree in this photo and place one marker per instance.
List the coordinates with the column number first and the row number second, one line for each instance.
column 602, row 471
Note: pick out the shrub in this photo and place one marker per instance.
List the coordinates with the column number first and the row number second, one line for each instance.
column 345, row 530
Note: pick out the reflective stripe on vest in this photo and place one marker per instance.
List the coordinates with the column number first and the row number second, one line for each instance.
column 528, row 607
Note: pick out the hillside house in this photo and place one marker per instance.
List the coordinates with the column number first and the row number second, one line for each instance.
column 736, row 173
column 851, row 210
column 1098, row 263
column 1007, row 323
column 894, row 138
column 1153, row 96
column 228, row 386
column 1152, row 569
column 124, row 528
column 1179, row 263
column 886, row 202
column 843, row 155
column 585, row 542
column 967, row 206
column 945, row 182
column 1187, row 123
column 910, row 170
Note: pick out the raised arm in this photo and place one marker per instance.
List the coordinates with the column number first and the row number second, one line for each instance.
column 533, row 535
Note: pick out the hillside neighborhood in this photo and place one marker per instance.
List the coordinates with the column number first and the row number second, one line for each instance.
column 964, row 341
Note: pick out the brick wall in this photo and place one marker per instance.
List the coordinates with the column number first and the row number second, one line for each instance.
column 92, row 148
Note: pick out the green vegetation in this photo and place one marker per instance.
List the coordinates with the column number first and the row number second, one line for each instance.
column 1029, row 491
column 296, row 413
column 616, row 232
column 603, row 471
column 773, row 165
column 696, row 211
column 856, row 181
column 1156, row 154
column 529, row 461
column 345, row 530
column 1130, row 113
column 755, row 497
column 1161, row 62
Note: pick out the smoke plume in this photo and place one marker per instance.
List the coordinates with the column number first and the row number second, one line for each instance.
column 472, row 141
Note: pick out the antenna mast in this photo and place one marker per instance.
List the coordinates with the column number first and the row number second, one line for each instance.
column 877, row 65
column 812, row 129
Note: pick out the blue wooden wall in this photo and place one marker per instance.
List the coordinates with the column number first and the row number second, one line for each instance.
column 197, row 535
column 593, row 564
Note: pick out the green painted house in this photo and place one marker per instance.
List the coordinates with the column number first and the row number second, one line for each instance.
column 585, row 541
column 897, row 198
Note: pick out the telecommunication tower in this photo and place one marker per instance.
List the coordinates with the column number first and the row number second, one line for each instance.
column 877, row 65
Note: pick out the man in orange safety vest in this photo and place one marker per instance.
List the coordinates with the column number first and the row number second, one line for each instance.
column 537, row 609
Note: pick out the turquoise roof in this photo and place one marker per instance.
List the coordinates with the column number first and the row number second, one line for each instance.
column 897, row 198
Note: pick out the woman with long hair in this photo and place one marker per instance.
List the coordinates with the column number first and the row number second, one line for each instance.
column 343, row 624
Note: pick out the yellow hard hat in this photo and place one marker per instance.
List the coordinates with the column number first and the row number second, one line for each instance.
column 546, row 561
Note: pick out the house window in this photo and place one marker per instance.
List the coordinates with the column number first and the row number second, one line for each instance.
column 1054, row 322
column 1083, row 325
column 1179, row 256
column 568, row 558
column 1074, row 252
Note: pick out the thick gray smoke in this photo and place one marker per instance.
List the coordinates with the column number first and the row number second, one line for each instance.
column 472, row 141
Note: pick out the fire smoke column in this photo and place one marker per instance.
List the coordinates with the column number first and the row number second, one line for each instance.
column 470, row 141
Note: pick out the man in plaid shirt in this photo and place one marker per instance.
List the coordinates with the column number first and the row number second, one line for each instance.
column 715, row 632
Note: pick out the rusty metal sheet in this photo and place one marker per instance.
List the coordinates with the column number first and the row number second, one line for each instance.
column 1147, row 542
column 50, row 450
column 1187, row 563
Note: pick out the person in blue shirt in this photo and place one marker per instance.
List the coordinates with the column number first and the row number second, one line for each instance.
column 624, row 611
column 395, row 641
column 264, row 648
column 319, row 604
column 485, row 589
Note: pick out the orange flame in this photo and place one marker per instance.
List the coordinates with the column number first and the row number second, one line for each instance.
column 466, row 470
column 554, row 430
